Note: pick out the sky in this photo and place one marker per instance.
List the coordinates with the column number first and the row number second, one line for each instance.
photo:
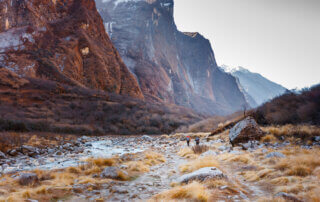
column 279, row 39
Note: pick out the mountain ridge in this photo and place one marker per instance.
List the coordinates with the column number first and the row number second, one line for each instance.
column 255, row 85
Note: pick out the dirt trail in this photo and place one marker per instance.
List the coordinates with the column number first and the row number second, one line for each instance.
column 148, row 184
column 161, row 176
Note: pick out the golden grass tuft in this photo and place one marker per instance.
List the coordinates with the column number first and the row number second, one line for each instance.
column 269, row 138
column 298, row 131
column 187, row 153
column 137, row 166
column 100, row 162
column 313, row 195
column 191, row 192
column 243, row 158
column 153, row 158
column 291, row 189
column 215, row 183
column 284, row 180
column 196, row 164
column 74, row 170
column 299, row 170
column 274, row 199
column 302, row 163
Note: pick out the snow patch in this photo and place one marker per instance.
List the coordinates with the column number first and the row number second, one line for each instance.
column 14, row 39
column 116, row 2
column 109, row 27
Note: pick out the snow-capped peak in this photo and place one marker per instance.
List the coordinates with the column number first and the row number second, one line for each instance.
column 233, row 69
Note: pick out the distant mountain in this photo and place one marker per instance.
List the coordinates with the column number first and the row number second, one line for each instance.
column 171, row 66
column 258, row 89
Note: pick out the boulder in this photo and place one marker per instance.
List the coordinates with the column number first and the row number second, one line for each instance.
column 28, row 179
column 244, row 131
column 275, row 155
column 201, row 175
column 112, row 173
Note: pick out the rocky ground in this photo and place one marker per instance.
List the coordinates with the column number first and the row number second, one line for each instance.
column 158, row 168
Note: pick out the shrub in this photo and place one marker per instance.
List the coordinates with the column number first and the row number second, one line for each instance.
column 199, row 149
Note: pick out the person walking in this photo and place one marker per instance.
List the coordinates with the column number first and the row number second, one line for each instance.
column 188, row 140
column 197, row 140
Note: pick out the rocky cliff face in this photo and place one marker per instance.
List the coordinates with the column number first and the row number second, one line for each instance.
column 170, row 66
column 63, row 41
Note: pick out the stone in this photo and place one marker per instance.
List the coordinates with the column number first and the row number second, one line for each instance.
column 250, row 145
column 67, row 146
column 209, row 153
column 31, row 200
column 2, row 155
column 288, row 197
column 9, row 170
column 88, row 144
column 28, row 179
column 112, row 172
column 223, row 148
column 108, row 142
column 236, row 152
column 146, row 138
column 28, row 150
column 317, row 138
column 223, row 187
column 201, row 175
column 275, row 155
column 13, row 152
column 244, row 131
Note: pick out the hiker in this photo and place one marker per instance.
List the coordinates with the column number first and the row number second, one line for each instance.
column 197, row 140
column 188, row 140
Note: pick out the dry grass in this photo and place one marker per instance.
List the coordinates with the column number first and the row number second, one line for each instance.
column 191, row 192
column 243, row 158
column 274, row 199
column 289, row 130
column 199, row 149
column 303, row 163
column 57, row 184
column 13, row 140
column 187, row 153
column 196, row 164
column 153, row 158
column 100, row 162
column 269, row 138
column 137, row 166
